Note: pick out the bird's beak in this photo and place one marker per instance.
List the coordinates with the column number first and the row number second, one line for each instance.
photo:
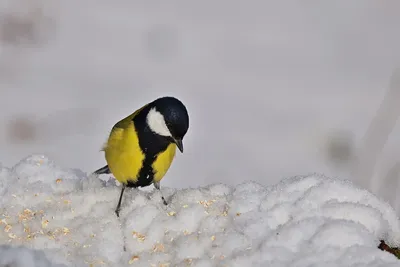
column 179, row 144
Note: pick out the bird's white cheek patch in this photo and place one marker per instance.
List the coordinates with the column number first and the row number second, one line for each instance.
column 157, row 124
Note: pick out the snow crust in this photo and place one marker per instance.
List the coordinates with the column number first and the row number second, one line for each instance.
column 67, row 217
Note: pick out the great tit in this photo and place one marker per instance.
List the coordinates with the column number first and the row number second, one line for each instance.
column 141, row 147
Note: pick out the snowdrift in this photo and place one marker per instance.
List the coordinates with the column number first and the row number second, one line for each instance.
column 64, row 217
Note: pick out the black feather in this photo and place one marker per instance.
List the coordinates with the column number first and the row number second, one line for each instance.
column 104, row 170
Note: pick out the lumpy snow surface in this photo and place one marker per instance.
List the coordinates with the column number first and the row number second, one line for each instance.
column 50, row 216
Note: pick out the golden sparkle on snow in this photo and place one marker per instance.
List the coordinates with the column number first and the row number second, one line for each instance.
column 7, row 228
column 138, row 236
column 65, row 230
column 171, row 213
column 95, row 262
column 165, row 264
column 12, row 236
column 45, row 223
column 188, row 261
column 158, row 247
column 206, row 203
column 27, row 214
column 133, row 259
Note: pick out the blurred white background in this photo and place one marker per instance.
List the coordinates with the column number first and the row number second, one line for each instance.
column 273, row 89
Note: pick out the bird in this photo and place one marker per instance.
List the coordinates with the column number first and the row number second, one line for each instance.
column 141, row 147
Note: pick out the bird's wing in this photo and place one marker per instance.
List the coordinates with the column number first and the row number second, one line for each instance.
column 124, row 123
column 122, row 150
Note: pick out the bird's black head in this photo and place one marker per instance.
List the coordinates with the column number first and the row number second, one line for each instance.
column 168, row 117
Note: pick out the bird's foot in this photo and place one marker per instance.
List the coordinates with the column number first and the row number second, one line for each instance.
column 117, row 212
column 164, row 201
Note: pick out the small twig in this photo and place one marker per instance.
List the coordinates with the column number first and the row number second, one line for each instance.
column 384, row 247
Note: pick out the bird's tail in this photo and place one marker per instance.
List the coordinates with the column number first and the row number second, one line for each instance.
column 103, row 170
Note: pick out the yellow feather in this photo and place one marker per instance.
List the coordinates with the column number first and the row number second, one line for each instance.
column 163, row 162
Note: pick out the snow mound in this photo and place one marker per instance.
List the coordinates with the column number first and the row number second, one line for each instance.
column 302, row 221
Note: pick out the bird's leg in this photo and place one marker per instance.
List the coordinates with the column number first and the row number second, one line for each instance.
column 157, row 186
column 119, row 202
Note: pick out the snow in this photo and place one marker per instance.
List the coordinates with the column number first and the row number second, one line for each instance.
column 51, row 216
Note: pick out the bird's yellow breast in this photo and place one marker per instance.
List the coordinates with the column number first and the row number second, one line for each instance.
column 123, row 153
column 163, row 162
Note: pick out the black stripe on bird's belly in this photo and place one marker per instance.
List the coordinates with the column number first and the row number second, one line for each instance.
column 146, row 175
column 151, row 145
